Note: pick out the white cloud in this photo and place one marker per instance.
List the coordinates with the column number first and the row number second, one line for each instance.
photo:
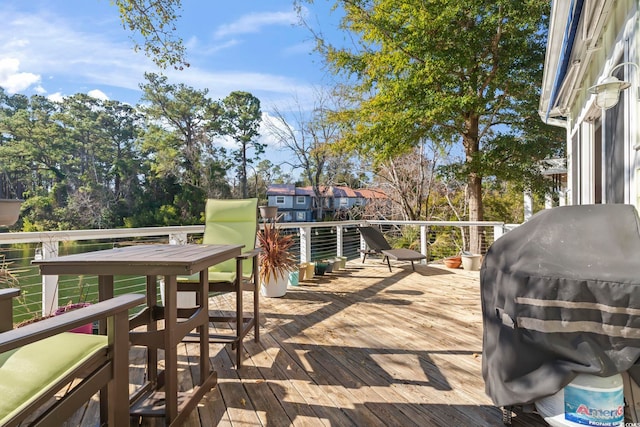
column 98, row 94
column 11, row 79
column 253, row 23
column 45, row 43
column 271, row 124
column 56, row 97
column 76, row 55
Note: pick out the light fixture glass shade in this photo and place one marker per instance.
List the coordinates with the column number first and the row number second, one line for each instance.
column 608, row 92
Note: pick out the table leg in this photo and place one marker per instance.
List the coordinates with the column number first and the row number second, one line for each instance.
column 105, row 292
column 170, row 348
column 152, row 353
column 239, row 314
column 204, row 329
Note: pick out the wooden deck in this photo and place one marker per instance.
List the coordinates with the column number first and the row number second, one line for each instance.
column 361, row 347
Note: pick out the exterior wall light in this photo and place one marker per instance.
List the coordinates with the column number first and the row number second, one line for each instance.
column 608, row 92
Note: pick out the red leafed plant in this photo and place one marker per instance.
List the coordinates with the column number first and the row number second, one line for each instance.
column 275, row 258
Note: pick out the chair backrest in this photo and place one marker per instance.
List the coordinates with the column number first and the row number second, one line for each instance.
column 231, row 222
column 374, row 238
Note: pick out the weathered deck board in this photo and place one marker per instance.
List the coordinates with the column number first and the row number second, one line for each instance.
column 361, row 347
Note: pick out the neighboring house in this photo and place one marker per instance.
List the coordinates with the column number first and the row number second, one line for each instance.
column 592, row 42
column 298, row 203
column 295, row 204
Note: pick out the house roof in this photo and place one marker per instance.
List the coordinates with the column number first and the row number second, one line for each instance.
column 331, row 191
column 341, row 191
column 371, row 193
column 575, row 33
column 281, row 190
column 304, row 191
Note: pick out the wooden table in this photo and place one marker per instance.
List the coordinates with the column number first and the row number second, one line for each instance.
column 152, row 261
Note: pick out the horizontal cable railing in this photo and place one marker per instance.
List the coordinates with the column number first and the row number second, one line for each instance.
column 313, row 241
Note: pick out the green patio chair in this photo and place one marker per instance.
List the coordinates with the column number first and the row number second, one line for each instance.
column 232, row 222
column 40, row 360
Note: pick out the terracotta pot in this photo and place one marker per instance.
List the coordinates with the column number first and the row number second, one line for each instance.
column 453, row 262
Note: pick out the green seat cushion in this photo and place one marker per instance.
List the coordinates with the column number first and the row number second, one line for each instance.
column 214, row 276
column 27, row 372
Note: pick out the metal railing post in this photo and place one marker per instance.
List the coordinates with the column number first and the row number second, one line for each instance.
column 424, row 248
column 305, row 244
column 339, row 239
column 49, row 283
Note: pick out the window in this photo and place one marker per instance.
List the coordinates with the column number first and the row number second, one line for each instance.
column 300, row 200
column 344, row 201
column 300, row 216
column 279, row 200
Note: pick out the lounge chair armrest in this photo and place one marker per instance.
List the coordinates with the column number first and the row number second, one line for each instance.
column 64, row 322
column 250, row 254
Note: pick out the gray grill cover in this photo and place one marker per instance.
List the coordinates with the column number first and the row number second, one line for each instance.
column 561, row 296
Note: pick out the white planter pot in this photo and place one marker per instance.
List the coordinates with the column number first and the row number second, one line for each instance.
column 185, row 299
column 9, row 211
column 471, row 262
column 275, row 288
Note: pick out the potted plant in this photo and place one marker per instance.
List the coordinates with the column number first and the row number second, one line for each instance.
column 320, row 268
column 84, row 329
column 275, row 260
column 9, row 211
column 471, row 262
column 268, row 213
column 302, row 271
column 453, row 261
column 311, row 267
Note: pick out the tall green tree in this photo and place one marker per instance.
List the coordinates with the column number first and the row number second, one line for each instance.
column 152, row 24
column 239, row 118
column 308, row 135
column 75, row 161
column 178, row 142
column 466, row 73
column 33, row 155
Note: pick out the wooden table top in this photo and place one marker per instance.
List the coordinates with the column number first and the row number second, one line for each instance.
column 146, row 260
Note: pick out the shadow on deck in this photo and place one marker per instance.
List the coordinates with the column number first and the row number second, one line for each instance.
column 360, row 347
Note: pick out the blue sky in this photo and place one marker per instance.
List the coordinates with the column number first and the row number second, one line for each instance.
column 63, row 47
column 58, row 48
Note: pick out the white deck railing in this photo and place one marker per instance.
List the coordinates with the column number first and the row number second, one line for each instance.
column 316, row 240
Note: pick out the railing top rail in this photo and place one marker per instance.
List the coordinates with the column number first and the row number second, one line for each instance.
column 71, row 235
column 441, row 223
